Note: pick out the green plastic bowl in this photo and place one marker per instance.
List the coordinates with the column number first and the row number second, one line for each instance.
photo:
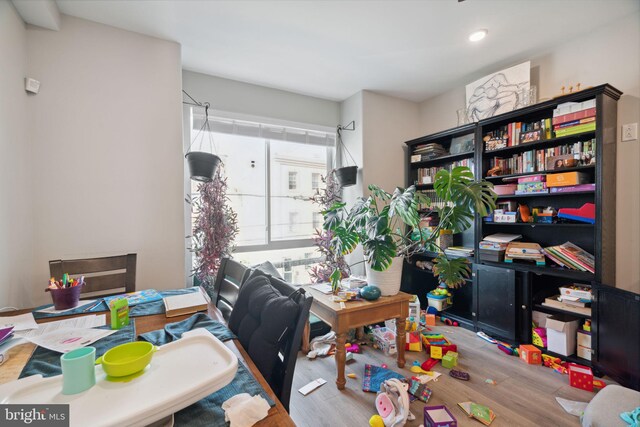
column 127, row 359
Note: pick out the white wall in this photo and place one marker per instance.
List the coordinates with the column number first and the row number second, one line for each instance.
column 107, row 150
column 607, row 55
column 16, row 206
column 243, row 98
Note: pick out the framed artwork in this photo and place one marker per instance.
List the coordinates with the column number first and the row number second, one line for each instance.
column 498, row 93
column 462, row 144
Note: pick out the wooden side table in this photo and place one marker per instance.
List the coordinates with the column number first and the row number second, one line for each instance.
column 357, row 314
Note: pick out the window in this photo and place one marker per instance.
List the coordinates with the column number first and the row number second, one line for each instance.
column 293, row 180
column 263, row 164
column 317, row 220
column 315, row 181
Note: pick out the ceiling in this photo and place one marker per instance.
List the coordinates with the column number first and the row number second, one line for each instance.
column 333, row 49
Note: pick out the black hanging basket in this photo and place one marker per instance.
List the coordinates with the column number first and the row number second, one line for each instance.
column 202, row 165
column 347, row 175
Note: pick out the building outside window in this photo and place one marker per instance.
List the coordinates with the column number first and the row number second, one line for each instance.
column 293, row 180
column 315, row 181
column 270, row 174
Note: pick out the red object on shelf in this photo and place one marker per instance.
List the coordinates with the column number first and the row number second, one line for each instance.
column 580, row 377
column 586, row 213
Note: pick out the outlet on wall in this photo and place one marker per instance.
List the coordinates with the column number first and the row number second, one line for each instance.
column 630, row 132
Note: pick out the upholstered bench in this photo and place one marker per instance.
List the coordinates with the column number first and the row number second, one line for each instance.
column 605, row 408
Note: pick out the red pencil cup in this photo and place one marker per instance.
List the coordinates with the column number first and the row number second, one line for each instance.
column 66, row 298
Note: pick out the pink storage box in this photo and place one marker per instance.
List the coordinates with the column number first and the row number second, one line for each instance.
column 532, row 178
column 505, row 190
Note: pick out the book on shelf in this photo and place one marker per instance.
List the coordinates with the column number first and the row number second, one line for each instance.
column 554, row 303
column 572, row 130
column 459, row 252
column 576, row 116
column 574, row 188
column 177, row 305
column 502, row 237
column 571, row 256
column 427, row 175
column 574, row 301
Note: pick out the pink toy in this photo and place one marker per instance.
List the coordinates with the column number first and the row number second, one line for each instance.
column 384, row 365
column 385, row 407
column 353, row 348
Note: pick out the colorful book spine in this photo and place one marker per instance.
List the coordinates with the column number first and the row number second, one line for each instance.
column 589, row 112
column 587, row 127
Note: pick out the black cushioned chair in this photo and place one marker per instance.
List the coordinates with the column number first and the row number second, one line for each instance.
column 231, row 275
column 268, row 318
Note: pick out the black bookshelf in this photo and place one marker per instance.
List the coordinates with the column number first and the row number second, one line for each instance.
column 522, row 175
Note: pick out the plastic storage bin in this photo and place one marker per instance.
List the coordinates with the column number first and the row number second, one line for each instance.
column 439, row 302
column 386, row 340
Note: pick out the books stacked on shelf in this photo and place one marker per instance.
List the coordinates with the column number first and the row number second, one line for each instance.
column 427, row 175
column 517, row 133
column 524, row 251
column 547, row 159
column 571, row 256
column 492, row 251
column 458, row 252
column 427, row 152
column 434, row 198
column 571, row 118
column 575, row 298
column 534, row 184
column 574, row 188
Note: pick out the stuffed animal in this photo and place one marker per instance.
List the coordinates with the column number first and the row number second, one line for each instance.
column 392, row 403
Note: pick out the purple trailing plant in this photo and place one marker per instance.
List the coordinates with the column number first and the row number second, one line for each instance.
column 333, row 261
column 215, row 228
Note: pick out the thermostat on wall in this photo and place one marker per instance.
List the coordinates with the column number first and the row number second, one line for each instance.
column 31, row 85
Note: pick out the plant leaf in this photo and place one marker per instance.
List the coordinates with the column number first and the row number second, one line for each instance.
column 379, row 252
column 452, row 272
column 403, row 203
column 344, row 240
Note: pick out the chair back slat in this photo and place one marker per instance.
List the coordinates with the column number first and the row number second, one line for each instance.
column 231, row 275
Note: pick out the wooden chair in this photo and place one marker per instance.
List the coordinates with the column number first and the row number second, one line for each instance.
column 103, row 276
column 229, row 279
column 281, row 377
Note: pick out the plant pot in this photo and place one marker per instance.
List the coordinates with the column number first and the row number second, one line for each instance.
column 388, row 280
column 347, row 175
column 202, row 165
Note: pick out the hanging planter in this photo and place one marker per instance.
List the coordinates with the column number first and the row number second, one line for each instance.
column 346, row 175
column 202, row 164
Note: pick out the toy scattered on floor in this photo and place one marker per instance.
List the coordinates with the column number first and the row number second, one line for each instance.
column 539, row 336
column 376, row 421
column 450, row 360
column 430, row 319
column 418, row 370
column 554, row 363
column 439, row 416
column 631, row 418
column 580, row 377
column 384, row 365
column 428, row 364
column 480, row 412
column 433, row 376
column 348, row 357
column 530, row 354
column 352, row 375
column 352, row 348
column 507, row 348
column 486, row 337
column 374, row 376
column 437, row 345
column 419, row 390
column 392, row 403
column 459, row 375
column 599, row 384
column 490, row 381
column 413, row 341
column 449, row 322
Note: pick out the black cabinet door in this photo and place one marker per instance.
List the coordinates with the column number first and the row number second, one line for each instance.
column 616, row 334
column 495, row 301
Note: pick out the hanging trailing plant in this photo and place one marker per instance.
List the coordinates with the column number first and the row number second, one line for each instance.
column 215, row 228
column 333, row 261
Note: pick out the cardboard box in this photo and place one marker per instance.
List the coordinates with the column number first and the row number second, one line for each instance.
column 577, row 293
column 584, row 339
column 530, row 354
column 439, row 416
column 584, row 352
column 567, row 178
column 540, row 318
column 580, row 377
column 561, row 334
column 508, row 217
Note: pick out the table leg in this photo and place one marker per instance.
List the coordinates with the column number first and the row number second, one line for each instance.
column 400, row 340
column 341, row 354
column 306, row 334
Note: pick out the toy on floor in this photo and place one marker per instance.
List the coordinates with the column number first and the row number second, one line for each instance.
column 459, row 375
column 554, row 363
column 376, row 421
column 438, row 416
column 352, row 375
column 490, row 381
column 450, row 360
column 352, row 348
column 413, row 342
column 486, row 337
column 449, row 322
column 436, row 345
column 419, row 390
column 428, row 364
column 392, row 403
column 418, row 370
column 430, row 320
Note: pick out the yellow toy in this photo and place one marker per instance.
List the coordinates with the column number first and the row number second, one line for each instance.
column 376, row 421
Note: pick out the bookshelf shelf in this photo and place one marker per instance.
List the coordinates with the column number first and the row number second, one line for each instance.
column 537, row 224
column 552, row 310
column 424, row 186
column 582, row 276
column 569, row 193
column 443, row 159
column 521, row 175
column 545, row 143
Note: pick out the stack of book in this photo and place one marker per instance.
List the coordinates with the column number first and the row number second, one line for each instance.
column 517, row 133
column 571, row 118
column 493, row 247
column 458, row 252
column 427, row 152
column 427, row 175
column 574, row 298
column 480, row 412
column 571, row 256
column 524, row 251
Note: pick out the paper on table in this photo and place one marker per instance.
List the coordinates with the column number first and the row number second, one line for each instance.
column 83, row 322
column 21, row 322
column 64, row 340
column 325, row 288
column 52, row 309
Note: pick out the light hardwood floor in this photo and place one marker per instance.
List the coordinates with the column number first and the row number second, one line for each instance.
column 524, row 394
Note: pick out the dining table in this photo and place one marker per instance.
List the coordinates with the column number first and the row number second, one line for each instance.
column 20, row 354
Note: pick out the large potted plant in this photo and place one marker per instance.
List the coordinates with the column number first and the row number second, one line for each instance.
column 384, row 222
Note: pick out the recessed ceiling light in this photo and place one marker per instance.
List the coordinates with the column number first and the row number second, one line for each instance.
column 476, row 36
